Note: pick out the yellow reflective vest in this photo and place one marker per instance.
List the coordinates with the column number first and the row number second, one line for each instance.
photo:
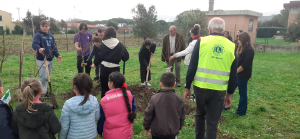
column 216, row 55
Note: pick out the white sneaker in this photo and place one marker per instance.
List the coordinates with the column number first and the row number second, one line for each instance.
column 148, row 84
column 143, row 84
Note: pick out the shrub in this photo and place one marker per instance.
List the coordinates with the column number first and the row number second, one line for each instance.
column 71, row 32
column 17, row 30
column 293, row 32
column 7, row 31
column 269, row 32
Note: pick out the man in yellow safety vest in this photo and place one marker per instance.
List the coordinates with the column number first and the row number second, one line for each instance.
column 212, row 71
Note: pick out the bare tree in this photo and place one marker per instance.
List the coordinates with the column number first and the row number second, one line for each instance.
column 5, row 49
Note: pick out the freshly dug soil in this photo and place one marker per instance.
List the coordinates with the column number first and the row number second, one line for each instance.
column 67, row 95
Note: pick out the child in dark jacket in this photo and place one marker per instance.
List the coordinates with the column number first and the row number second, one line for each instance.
column 33, row 119
column 146, row 51
column 5, row 118
column 117, row 117
column 167, row 121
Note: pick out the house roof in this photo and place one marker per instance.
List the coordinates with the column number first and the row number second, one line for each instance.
column 292, row 4
column 78, row 24
column 234, row 12
column 5, row 11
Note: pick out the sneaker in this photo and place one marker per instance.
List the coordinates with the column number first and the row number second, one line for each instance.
column 178, row 85
column 143, row 84
column 97, row 82
column 193, row 98
column 96, row 78
column 148, row 84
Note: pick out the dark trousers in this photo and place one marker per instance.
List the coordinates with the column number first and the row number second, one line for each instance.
column 104, row 78
column 97, row 71
column 209, row 108
column 153, row 137
column 242, row 84
column 87, row 67
column 177, row 68
column 143, row 74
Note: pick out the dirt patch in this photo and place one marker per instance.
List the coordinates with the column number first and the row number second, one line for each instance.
column 189, row 109
column 142, row 96
column 67, row 95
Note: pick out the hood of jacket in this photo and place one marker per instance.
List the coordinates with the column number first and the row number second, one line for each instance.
column 35, row 118
column 43, row 33
column 86, row 108
column 111, row 43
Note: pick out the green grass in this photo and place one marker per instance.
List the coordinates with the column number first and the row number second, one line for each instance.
column 272, row 41
column 273, row 93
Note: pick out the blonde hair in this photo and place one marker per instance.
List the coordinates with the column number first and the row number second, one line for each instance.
column 30, row 88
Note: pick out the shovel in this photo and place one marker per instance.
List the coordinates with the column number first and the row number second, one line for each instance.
column 146, row 83
column 51, row 95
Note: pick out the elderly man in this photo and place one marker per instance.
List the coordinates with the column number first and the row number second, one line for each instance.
column 212, row 70
column 173, row 43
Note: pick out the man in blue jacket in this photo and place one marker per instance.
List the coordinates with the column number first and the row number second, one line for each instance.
column 44, row 45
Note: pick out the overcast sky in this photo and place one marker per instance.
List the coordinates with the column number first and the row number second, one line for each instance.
column 106, row 9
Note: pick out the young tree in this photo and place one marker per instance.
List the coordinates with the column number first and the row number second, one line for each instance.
column 27, row 22
column 5, row 49
column 63, row 24
column 162, row 26
column 145, row 25
column 186, row 21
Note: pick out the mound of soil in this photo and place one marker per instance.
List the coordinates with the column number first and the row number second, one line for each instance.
column 141, row 95
column 67, row 95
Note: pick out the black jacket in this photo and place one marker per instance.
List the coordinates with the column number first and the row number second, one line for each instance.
column 144, row 54
column 5, row 122
column 111, row 51
column 40, row 124
column 246, row 61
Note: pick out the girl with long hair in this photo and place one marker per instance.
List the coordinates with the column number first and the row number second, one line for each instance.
column 117, row 109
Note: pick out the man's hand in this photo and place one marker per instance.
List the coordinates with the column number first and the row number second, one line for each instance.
column 41, row 50
column 187, row 95
column 151, row 54
column 83, row 64
column 93, row 66
column 79, row 49
column 93, row 57
column 228, row 100
column 147, row 131
column 148, row 68
column 171, row 58
column 59, row 59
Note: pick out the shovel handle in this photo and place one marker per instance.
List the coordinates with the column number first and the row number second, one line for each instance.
column 48, row 75
column 148, row 70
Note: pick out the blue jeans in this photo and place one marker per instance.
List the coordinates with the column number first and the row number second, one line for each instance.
column 242, row 107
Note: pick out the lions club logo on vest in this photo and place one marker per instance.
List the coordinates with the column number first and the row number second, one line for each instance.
column 218, row 50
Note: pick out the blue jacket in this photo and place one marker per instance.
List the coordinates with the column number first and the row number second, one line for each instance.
column 92, row 54
column 79, row 122
column 6, row 131
column 46, row 41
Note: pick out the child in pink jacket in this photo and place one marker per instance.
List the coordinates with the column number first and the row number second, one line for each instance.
column 117, row 110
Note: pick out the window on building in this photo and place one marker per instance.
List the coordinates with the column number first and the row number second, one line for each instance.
column 250, row 25
column 1, row 28
column 0, row 17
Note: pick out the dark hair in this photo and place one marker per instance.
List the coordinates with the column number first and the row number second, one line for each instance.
column 147, row 42
column 226, row 32
column 110, row 32
column 195, row 30
column 97, row 39
column 83, row 24
column 84, row 85
column 241, row 31
column 118, row 80
column 246, row 43
column 167, row 79
column 99, row 30
column 44, row 22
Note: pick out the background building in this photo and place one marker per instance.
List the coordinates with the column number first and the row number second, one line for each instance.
column 6, row 21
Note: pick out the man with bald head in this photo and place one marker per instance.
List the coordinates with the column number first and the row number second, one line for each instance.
column 173, row 43
column 212, row 71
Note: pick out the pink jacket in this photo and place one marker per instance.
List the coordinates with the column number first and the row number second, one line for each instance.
column 116, row 124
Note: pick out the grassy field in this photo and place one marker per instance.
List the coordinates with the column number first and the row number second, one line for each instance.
column 273, row 93
column 272, row 41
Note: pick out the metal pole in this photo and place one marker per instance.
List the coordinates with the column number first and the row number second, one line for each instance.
column 124, row 36
column 67, row 38
column 32, row 26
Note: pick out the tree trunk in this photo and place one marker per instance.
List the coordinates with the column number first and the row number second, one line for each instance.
column 1, row 66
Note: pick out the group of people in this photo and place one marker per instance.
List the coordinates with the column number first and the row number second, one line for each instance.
column 215, row 71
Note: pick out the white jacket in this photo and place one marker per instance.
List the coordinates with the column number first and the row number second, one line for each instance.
column 187, row 53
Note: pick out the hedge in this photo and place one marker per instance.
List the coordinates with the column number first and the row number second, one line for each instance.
column 269, row 32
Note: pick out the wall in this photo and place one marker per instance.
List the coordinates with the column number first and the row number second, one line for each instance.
column 233, row 23
column 6, row 21
column 275, row 48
